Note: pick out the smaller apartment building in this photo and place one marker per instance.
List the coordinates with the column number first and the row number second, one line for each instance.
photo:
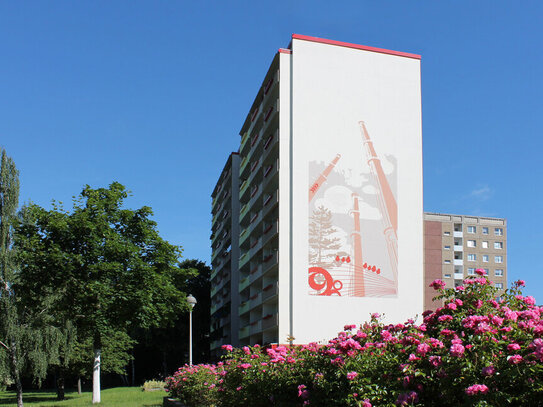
column 456, row 245
column 225, row 254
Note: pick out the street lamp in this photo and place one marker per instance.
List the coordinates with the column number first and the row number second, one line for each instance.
column 192, row 302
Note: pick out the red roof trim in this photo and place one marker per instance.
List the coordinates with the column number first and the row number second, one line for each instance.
column 356, row 46
column 285, row 51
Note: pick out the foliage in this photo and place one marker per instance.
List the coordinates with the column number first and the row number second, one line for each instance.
column 152, row 385
column 475, row 350
column 105, row 269
column 28, row 341
column 161, row 350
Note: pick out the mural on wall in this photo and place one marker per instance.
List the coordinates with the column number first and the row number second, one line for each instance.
column 353, row 223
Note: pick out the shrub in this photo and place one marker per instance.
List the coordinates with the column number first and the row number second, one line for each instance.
column 475, row 350
column 153, row 385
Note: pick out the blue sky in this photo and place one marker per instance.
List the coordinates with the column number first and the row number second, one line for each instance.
column 153, row 93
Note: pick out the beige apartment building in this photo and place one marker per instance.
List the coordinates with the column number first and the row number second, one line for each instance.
column 456, row 245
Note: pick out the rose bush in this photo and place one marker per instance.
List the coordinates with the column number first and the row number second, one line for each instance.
column 475, row 350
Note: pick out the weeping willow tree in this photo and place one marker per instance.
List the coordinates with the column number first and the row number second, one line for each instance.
column 28, row 342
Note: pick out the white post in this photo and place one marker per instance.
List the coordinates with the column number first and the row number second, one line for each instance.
column 190, row 337
column 96, row 377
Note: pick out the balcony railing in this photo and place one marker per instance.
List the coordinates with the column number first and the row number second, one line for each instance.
column 255, row 327
column 255, row 300
column 270, row 291
column 244, row 283
column 244, row 140
column 245, row 331
column 269, row 321
column 243, row 308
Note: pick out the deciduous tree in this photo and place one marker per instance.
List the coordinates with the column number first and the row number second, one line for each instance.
column 106, row 266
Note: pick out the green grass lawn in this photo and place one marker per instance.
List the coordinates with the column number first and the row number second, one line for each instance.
column 118, row 396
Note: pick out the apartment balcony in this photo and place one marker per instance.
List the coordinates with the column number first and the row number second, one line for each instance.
column 243, row 211
column 270, row 321
column 244, row 332
column 458, row 248
column 243, row 165
column 254, row 224
column 243, row 308
column 244, row 258
column 243, row 235
column 255, row 197
column 458, row 262
column 458, row 234
column 269, row 261
column 270, row 116
column 216, row 306
column 256, row 246
column 219, row 285
column 244, row 283
column 269, row 202
column 270, row 89
column 255, row 327
column 243, row 189
column 458, row 276
column 270, row 291
column 255, row 300
column 255, row 273
column 269, row 145
column 270, row 231
column 244, row 140
column 269, row 173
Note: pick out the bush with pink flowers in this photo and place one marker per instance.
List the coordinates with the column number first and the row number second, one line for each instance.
column 475, row 350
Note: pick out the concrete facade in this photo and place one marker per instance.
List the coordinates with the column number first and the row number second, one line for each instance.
column 329, row 198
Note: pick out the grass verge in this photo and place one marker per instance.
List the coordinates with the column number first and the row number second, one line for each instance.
column 115, row 397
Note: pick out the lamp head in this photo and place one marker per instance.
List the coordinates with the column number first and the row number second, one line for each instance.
column 191, row 301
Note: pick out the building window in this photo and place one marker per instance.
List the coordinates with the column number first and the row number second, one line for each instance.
column 485, row 258
column 446, row 233
column 472, row 243
column 498, row 231
column 498, row 245
column 447, row 276
column 472, row 229
column 447, row 247
column 498, row 272
column 485, row 231
column 447, row 261
column 485, row 271
column 472, row 257
column 498, row 285
column 484, row 245
column 498, row 259
column 471, row 271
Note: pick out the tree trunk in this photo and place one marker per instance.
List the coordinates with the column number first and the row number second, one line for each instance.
column 79, row 385
column 96, row 377
column 133, row 364
column 60, row 385
column 15, row 372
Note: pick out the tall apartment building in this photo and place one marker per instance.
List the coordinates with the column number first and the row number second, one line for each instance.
column 456, row 245
column 330, row 196
column 225, row 255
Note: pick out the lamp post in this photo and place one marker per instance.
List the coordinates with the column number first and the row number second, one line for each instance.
column 192, row 302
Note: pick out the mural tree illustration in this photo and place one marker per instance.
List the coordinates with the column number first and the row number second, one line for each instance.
column 321, row 242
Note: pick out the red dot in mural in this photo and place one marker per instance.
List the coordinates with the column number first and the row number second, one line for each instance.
column 373, row 268
column 348, row 260
column 365, row 265
column 343, row 259
column 378, row 271
column 337, row 258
